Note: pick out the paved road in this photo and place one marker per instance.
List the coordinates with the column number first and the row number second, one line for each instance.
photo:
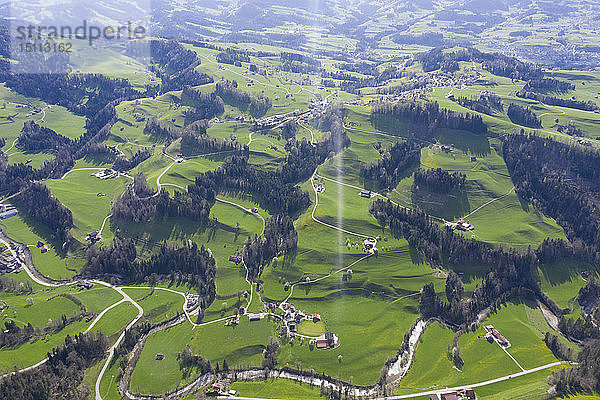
column 452, row 389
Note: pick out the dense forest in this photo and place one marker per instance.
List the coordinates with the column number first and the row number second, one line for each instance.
column 585, row 378
column 196, row 141
column 548, row 85
column 188, row 264
column 523, row 115
column 174, row 64
column 280, row 238
column 125, row 164
column 233, row 57
column 61, row 377
column 395, row 162
column 509, row 274
column 556, row 101
column 495, row 63
column 485, row 103
column 38, row 203
column 255, row 104
column 429, row 115
column 140, row 204
column 204, row 105
column 34, row 138
column 560, row 180
column 277, row 190
column 438, row 180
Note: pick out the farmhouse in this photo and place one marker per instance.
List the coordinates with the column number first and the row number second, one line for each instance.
column 235, row 259
column 316, row 317
column 93, row 237
column 107, row 173
column 319, row 188
column 464, row 226
column 369, row 244
column 470, row 394
column 495, row 334
column 365, row 193
column 160, row 356
column 449, row 396
column 84, row 285
column 9, row 213
column 255, row 316
column 327, row 340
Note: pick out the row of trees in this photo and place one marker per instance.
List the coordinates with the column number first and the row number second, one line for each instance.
column 556, row 101
column 394, row 163
column 431, row 115
column 438, row 180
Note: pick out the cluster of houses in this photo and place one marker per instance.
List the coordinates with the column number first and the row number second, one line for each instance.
column 8, row 263
column 83, row 284
column 461, row 225
column 191, row 300
column 446, row 148
column 107, row 173
column 319, row 188
column 94, row 237
column 7, row 211
column 466, row 394
column 493, row 334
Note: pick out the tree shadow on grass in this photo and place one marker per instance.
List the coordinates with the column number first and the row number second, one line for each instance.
column 445, row 205
column 42, row 231
column 564, row 271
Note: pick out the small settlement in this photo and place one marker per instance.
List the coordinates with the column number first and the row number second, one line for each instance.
column 8, row 262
